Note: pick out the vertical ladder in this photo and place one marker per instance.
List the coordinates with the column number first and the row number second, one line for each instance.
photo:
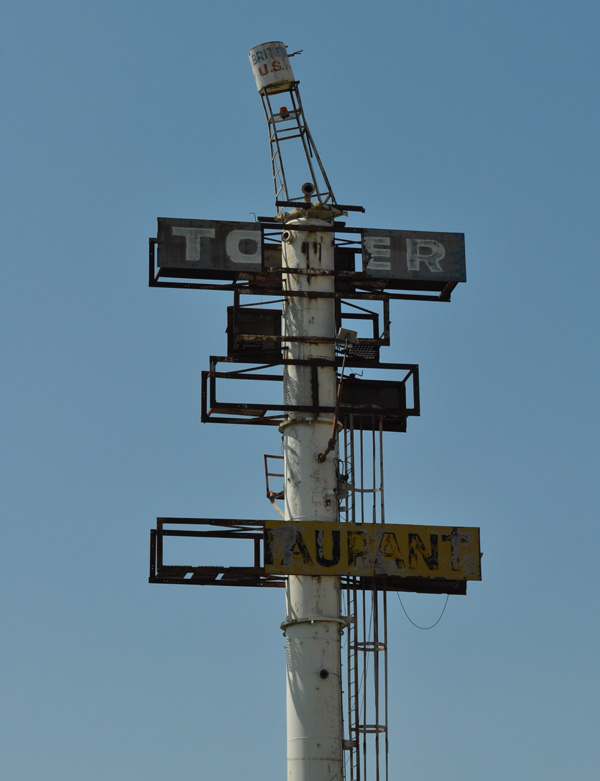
column 367, row 664
column 352, row 676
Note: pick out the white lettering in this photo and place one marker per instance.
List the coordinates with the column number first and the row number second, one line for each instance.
column 432, row 258
column 192, row 239
column 233, row 246
column 378, row 252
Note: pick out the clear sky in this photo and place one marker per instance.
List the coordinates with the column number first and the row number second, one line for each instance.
column 472, row 116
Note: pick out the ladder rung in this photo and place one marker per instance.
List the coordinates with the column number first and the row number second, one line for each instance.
column 369, row 729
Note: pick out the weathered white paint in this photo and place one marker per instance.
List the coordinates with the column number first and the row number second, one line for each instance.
column 313, row 623
column 418, row 251
column 378, row 247
column 271, row 67
column 233, row 243
column 434, row 252
column 193, row 245
column 233, row 246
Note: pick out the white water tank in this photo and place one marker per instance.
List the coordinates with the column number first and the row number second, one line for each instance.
column 271, row 67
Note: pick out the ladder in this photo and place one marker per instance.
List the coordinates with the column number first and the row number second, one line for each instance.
column 366, row 679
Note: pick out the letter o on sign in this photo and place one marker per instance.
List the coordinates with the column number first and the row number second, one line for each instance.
column 243, row 246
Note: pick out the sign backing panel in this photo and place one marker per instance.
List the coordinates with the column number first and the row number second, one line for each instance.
column 414, row 255
column 210, row 245
column 367, row 550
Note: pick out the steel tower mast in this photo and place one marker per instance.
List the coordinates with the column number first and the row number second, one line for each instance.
column 334, row 537
column 313, row 623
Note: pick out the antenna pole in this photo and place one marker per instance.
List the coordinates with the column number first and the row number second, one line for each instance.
column 313, row 625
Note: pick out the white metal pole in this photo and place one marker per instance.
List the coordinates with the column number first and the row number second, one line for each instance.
column 313, row 624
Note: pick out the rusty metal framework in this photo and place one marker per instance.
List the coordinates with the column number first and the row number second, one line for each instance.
column 365, row 348
column 392, row 400
column 210, row 575
column 286, row 124
column 254, row 332
column 349, row 282
column 163, row 571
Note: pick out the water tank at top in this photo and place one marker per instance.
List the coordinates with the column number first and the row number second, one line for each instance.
column 271, row 67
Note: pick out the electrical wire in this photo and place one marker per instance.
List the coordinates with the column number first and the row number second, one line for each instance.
column 417, row 625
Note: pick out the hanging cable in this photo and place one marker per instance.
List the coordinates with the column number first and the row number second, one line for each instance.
column 348, row 336
column 424, row 627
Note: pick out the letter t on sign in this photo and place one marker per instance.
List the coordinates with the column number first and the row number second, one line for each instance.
column 192, row 239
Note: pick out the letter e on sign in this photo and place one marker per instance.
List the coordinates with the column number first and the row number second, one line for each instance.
column 377, row 247
column 433, row 258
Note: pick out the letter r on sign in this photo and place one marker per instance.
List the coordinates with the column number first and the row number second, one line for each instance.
column 434, row 252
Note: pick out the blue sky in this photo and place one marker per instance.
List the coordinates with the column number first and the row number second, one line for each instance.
column 476, row 117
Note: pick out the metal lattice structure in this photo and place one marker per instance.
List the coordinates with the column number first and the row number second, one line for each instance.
column 286, row 124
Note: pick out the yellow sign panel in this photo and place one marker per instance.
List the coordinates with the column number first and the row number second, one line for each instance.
column 325, row 548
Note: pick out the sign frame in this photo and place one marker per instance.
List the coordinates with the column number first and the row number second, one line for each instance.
column 255, row 574
column 369, row 262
